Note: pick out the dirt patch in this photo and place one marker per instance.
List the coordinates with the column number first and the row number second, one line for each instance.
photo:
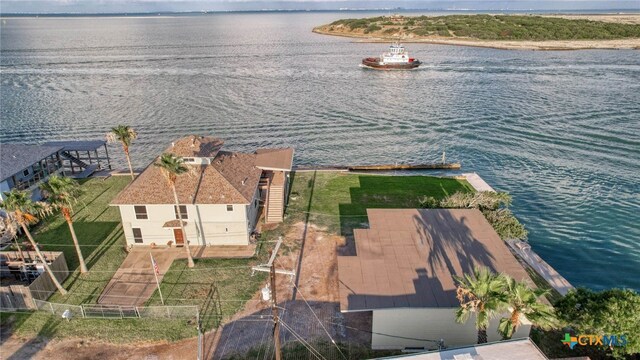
column 41, row 348
column 309, row 306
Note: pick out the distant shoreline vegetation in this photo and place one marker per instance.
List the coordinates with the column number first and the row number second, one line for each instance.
column 481, row 27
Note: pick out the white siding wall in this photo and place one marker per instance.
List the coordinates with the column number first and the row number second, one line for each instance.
column 429, row 323
column 207, row 224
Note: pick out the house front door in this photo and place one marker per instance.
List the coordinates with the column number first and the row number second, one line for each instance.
column 178, row 236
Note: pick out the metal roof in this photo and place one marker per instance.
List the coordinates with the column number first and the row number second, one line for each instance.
column 88, row 145
column 14, row 158
column 502, row 350
column 408, row 257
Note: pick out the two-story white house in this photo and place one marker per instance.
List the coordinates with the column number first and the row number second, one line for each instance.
column 220, row 197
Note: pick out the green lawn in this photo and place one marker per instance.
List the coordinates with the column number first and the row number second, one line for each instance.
column 220, row 287
column 339, row 201
column 100, row 236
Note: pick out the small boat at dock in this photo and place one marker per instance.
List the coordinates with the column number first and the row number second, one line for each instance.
column 397, row 58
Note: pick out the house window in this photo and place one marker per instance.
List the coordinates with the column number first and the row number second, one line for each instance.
column 183, row 212
column 137, row 235
column 25, row 172
column 141, row 212
column 189, row 160
column 229, row 207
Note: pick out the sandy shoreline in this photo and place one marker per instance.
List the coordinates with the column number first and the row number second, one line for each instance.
column 617, row 44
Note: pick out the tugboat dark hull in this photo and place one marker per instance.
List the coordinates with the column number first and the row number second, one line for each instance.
column 374, row 63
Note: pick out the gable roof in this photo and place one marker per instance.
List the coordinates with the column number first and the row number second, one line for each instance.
column 17, row 157
column 231, row 178
column 275, row 159
column 408, row 257
column 196, row 146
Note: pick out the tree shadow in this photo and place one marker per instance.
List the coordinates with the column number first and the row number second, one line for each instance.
column 30, row 348
column 449, row 242
column 311, row 185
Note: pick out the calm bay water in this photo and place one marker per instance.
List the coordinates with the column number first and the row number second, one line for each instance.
column 558, row 130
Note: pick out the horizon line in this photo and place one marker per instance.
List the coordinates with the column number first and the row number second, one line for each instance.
column 205, row 12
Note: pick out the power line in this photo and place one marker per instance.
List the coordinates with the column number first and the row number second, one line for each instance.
column 309, row 347
column 317, row 318
column 383, row 334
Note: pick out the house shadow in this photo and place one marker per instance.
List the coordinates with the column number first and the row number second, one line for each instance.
column 252, row 335
column 429, row 291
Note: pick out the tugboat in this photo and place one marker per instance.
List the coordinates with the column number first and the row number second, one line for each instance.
column 397, row 58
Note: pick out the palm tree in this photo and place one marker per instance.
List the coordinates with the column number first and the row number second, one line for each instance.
column 524, row 301
column 62, row 193
column 482, row 294
column 125, row 135
column 24, row 211
column 173, row 166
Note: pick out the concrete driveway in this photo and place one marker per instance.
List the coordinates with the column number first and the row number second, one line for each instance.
column 134, row 282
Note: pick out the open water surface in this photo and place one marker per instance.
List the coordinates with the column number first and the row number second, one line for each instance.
column 558, row 130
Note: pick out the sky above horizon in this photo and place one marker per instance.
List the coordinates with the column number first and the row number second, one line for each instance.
column 123, row 6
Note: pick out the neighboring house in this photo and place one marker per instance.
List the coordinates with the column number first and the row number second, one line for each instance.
column 403, row 274
column 503, row 350
column 219, row 197
column 24, row 167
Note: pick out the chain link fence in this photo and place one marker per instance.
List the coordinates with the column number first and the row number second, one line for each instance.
column 117, row 311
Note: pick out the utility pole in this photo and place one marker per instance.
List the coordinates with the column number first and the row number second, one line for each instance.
column 274, row 311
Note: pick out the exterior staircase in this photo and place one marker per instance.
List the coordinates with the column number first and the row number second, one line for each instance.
column 73, row 159
column 275, row 204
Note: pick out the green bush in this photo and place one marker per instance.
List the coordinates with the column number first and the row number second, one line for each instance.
column 503, row 27
column 372, row 28
column 609, row 312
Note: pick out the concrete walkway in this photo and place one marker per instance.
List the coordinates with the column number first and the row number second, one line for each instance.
column 477, row 182
column 134, row 282
column 540, row 266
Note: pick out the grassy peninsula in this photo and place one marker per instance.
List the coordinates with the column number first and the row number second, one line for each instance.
column 499, row 31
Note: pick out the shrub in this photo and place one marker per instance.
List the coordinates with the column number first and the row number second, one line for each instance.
column 429, row 202
column 372, row 28
column 609, row 312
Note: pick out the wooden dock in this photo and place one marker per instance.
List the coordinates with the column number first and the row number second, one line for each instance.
column 384, row 167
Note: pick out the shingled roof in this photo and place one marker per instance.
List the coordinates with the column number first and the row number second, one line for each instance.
column 408, row 257
column 196, row 146
column 17, row 157
column 232, row 178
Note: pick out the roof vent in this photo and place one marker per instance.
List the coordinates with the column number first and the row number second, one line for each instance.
column 245, row 180
column 193, row 141
column 173, row 144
